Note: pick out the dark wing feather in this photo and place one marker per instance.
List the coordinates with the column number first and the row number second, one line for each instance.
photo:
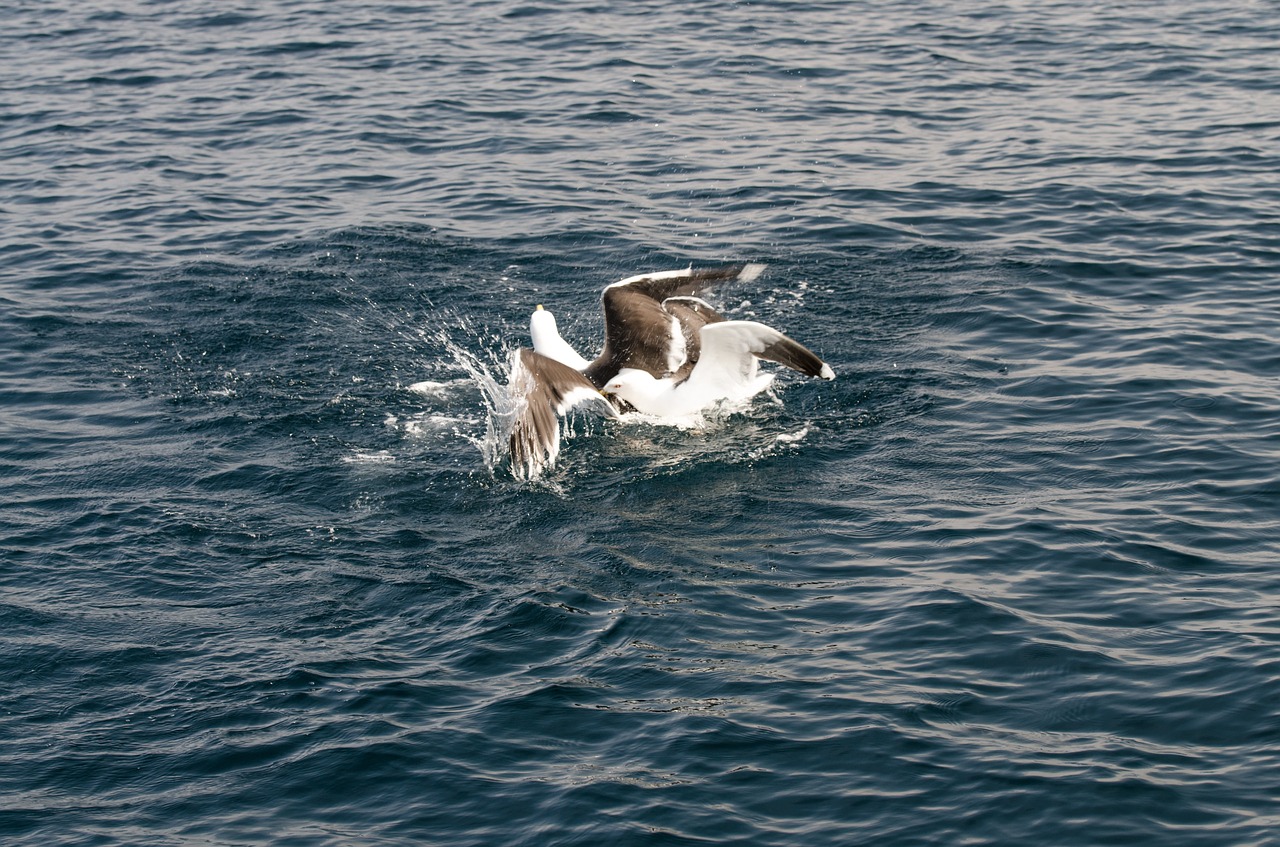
column 549, row 390
column 691, row 283
column 637, row 334
column 793, row 354
column 637, row 327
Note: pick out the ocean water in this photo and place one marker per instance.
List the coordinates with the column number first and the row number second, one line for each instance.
column 1013, row 578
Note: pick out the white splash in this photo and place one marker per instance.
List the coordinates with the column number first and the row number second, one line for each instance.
column 500, row 407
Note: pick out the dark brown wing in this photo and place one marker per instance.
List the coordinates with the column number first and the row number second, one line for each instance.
column 691, row 282
column 638, row 330
column 547, row 390
column 791, row 353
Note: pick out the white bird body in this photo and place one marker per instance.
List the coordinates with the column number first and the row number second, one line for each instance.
column 665, row 398
column 726, row 371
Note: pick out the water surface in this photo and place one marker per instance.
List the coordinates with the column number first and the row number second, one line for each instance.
column 1010, row 579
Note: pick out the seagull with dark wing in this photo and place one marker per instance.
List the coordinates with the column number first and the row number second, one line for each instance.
column 667, row 354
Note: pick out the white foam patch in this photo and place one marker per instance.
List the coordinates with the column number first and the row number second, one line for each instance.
column 779, row 443
column 428, row 424
column 370, row 457
column 792, row 437
column 694, row 421
column 431, row 388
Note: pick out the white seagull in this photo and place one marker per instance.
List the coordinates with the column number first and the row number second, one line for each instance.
column 667, row 353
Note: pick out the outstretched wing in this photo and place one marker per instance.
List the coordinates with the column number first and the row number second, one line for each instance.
column 639, row 332
column 730, row 348
column 686, row 282
column 544, row 391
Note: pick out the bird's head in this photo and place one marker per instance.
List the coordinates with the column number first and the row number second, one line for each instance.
column 630, row 384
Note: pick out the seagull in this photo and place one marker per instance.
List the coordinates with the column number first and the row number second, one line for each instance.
column 667, row 354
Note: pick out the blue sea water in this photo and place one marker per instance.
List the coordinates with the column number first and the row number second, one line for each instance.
column 1013, row 578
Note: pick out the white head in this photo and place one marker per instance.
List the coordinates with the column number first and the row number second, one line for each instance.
column 635, row 386
column 543, row 329
column 547, row 341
